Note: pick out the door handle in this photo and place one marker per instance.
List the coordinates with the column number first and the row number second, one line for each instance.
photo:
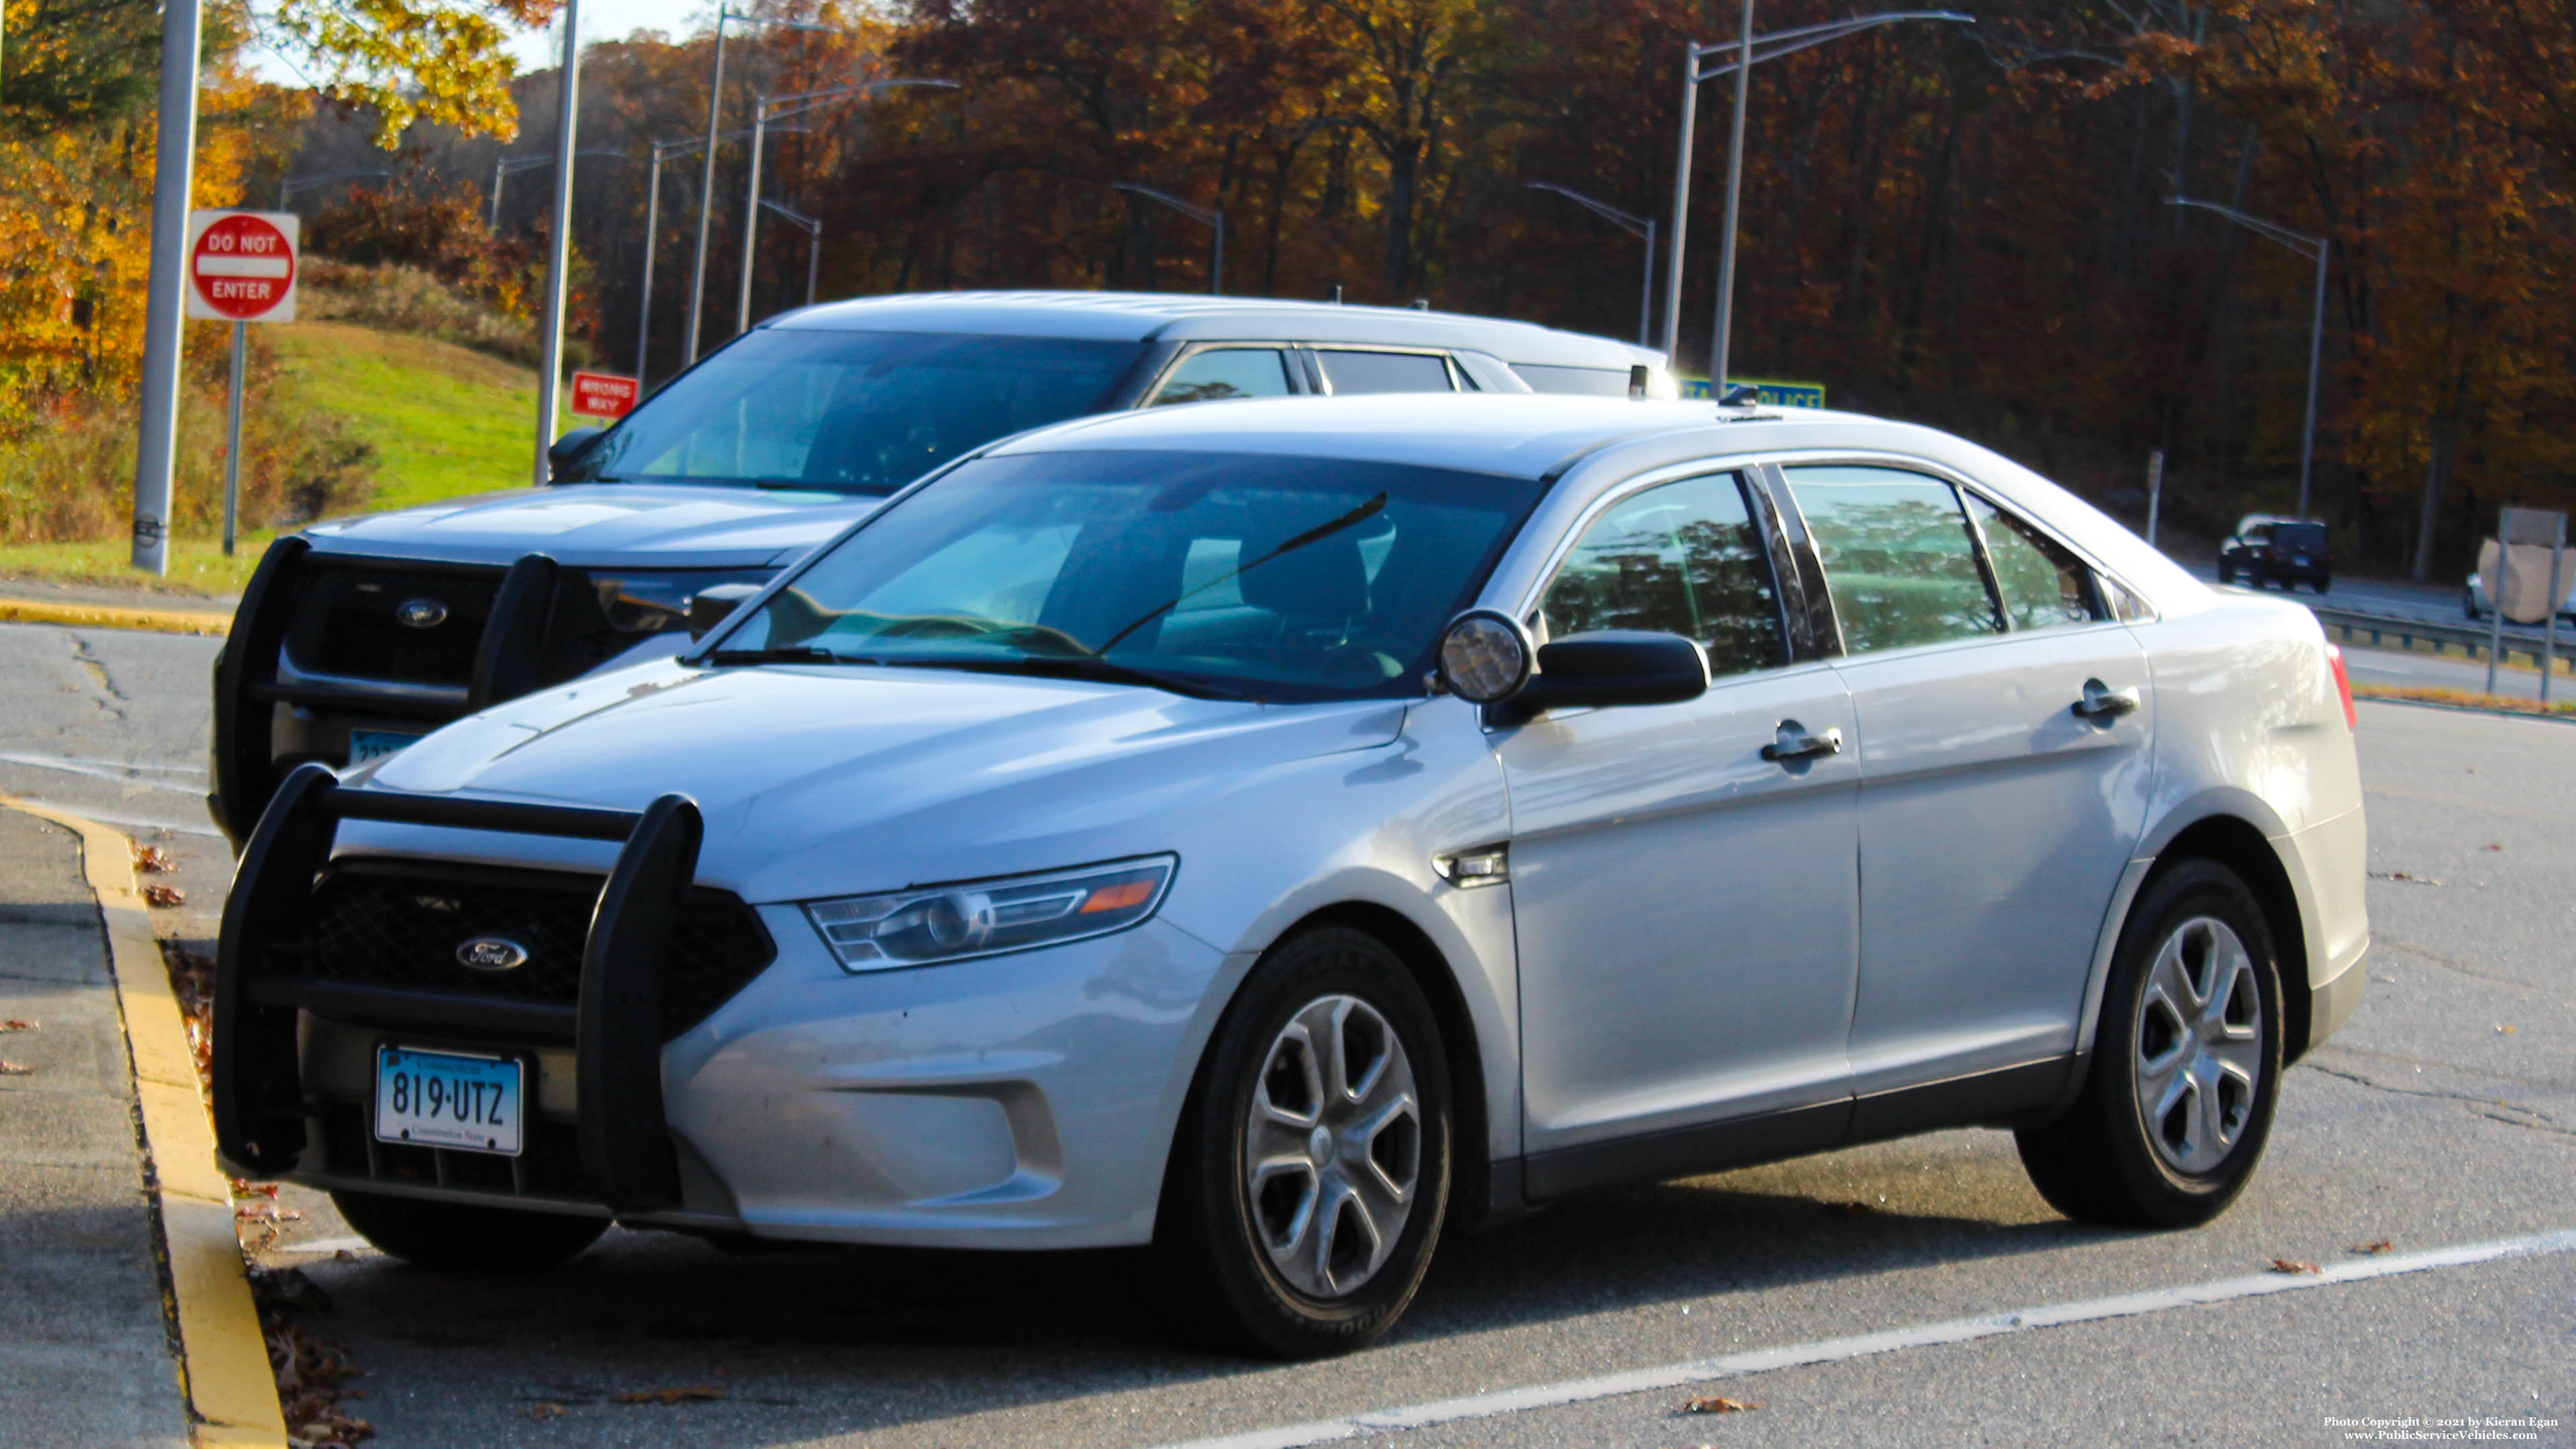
column 1794, row 743
column 2102, row 705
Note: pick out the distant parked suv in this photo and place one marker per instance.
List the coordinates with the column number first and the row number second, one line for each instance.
column 356, row 637
column 2270, row 550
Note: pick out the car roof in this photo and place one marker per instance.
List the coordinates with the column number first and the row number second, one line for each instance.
column 1156, row 316
column 1516, row 435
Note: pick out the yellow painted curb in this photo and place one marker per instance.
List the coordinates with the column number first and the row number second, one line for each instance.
column 223, row 1360
column 110, row 616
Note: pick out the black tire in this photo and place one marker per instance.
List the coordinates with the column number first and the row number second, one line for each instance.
column 2324, row 582
column 2226, row 572
column 449, row 1235
column 2102, row 1161
column 1222, row 1283
column 2469, row 604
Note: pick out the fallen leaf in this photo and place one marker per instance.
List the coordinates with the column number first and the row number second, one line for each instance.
column 19, row 1023
column 2381, row 1246
column 153, row 860
column 544, row 1411
column 686, row 1394
column 1719, row 1404
column 2507, row 1030
column 2410, row 879
column 2293, row 1265
column 2490, row 847
column 15, row 1069
column 164, row 896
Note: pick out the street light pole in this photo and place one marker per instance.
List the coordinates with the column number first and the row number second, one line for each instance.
column 2315, row 247
column 1724, row 330
column 725, row 15
column 778, row 108
column 174, row 155
column 1633, row 225
column 1200, row 214
column 1745, row 51
column 559, row 245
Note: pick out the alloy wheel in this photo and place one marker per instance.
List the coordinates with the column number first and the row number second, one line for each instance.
column 2198, row 1063
column 1332, row 1149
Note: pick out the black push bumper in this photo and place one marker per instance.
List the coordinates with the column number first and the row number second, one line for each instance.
column 260, row 1110
column 509, row 660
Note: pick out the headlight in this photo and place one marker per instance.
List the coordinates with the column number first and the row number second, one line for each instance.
column 986, row 918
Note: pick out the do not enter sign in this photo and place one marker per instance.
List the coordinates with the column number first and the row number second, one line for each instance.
column 241, row 266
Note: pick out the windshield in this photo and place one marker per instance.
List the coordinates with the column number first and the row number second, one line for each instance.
column 1226, row 575
column 863, row 412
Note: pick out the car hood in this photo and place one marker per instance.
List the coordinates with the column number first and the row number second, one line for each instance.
column 821, row 780
column 626, row 525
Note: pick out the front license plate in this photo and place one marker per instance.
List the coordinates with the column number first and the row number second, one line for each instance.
column 365, row 745
column 442, row 1099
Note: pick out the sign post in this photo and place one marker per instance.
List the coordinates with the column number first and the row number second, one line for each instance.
column 2534, row 529
column 604, row 394
column 241, row 269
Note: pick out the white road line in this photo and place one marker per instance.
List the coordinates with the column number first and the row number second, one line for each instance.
column 117, row 770
column 138, row 822
column 1835, row 1350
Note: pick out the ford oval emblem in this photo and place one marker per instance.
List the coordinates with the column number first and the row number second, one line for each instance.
column 492, row 953
column 420, row 613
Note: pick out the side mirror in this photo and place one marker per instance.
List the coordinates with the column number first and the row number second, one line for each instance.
column 562, row 451
column 710, row 606
column 1487, row 658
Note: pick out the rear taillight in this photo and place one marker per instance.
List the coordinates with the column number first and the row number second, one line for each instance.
column 2343, row 687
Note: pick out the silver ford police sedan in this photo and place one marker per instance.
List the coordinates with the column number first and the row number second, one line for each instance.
column 1283, row 832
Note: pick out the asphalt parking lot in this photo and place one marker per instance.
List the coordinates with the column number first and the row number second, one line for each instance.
column 2444, row 1115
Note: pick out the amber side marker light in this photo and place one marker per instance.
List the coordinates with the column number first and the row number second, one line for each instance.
column 1134, row 893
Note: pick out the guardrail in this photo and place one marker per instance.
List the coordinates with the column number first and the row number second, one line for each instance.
column 2473, row 639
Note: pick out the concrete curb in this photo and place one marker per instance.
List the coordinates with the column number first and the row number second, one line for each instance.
column 109, row 616
column 223, row 1366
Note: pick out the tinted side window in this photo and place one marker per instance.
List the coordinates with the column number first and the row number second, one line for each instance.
column 1358, row 372
column 1899, row 559
column 2043, row 586
column 1685, row 558
column 1585, row 381
column 1227, row 372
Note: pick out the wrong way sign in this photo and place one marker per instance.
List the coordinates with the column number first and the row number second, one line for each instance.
column 603, row 394
column 241, row 265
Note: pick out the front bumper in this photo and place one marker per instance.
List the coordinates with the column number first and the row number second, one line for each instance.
column 1020, row 1101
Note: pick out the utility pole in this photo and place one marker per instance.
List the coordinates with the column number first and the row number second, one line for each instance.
column 174, row 158
column 559, row 245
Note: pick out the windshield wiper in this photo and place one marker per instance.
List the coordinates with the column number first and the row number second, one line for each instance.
column 1317, row 534
column 786, row 654
column 1071, row 666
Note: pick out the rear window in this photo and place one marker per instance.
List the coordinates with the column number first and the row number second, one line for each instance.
column 2299, row 535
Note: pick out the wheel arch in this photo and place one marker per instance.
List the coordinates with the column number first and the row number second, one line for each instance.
column 2225, row 837
column 1470, row 1189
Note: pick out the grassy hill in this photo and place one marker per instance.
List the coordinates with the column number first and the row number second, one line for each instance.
column 445, row 420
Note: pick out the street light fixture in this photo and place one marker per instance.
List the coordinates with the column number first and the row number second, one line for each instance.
column 1747, row 51
column 779, row 108
column 725, row 15
column 1200, row 214
column 529, row 161
column 288, row 187
column 2306, row 246
column 813, row 228
column 1633, row 225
